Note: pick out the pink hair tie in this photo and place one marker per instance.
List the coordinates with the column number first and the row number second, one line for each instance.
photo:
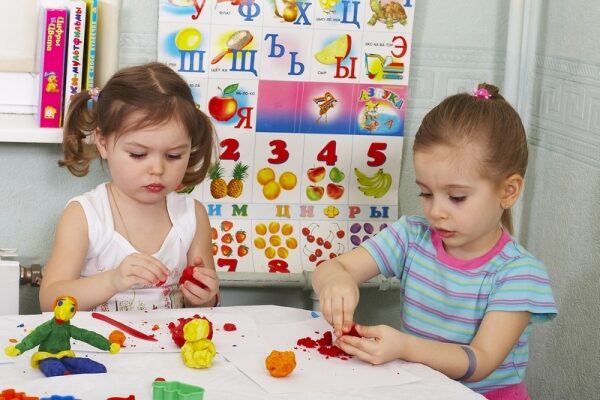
column 94, row 93
column 482, row 93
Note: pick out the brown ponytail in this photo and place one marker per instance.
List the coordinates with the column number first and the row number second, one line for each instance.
column 79, row 126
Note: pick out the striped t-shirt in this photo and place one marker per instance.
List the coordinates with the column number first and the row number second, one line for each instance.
column 445, row 299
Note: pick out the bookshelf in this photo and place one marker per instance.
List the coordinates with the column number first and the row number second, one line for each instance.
column 23, row 128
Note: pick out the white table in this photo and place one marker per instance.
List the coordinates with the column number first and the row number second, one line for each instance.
column 132, row 371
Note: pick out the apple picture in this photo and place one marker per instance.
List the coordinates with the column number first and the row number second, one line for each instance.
column 316, row 174
column 223, row 108
column 334, row 191
column 336, row 175
column 314, row 193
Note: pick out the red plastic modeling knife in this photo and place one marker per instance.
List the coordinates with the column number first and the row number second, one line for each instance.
column 133, row 332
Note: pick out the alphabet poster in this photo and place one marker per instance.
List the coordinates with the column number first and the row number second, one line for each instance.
column 308, row 100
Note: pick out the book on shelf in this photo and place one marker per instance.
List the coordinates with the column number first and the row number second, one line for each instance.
column 90, row 43
column 53, row 45
column 75, row 51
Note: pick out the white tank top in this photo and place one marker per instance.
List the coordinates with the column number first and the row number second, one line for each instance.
column 107, row 248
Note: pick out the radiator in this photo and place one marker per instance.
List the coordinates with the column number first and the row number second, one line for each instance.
column 10, row 278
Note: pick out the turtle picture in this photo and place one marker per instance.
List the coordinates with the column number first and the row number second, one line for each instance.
column 389, row 13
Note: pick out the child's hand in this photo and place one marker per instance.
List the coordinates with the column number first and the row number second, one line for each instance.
column 197, row 295
column 378, row 344
column 139, row 270
column 338, row 302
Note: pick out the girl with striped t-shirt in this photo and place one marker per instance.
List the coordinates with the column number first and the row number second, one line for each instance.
column 470, row 292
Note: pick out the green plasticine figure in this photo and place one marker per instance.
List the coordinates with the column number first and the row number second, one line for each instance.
column 54, row 356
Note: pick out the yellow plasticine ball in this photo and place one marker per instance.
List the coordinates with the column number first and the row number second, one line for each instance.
column 260, row 243
column 188, row 39
column 271, row 190
column 291, row 243
column 288, row 180
column 261, row 229
column 265, row 175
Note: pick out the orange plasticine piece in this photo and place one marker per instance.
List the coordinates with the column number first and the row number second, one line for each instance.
column 280, row 363
column 117, row 336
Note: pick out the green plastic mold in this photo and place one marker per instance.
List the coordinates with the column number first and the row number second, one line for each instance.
column 173, row 390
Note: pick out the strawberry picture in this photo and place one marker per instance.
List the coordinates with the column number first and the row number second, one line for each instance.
column 242, row 251
column 226, row 226
column 215, row 249
column 227, row 238
column 240, row 236
column 213, row 233
column 226, row 250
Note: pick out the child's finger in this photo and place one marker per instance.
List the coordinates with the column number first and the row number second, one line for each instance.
column 151, row 263
column 348, row 316
column 207, row 276
column 325, row 305
column 160, row 271
column 337, row 310
column 147, row 271
column 195, row 293
column 363, row 330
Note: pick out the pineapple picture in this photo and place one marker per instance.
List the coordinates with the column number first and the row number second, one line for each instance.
column 236, row 185
column 218, row 186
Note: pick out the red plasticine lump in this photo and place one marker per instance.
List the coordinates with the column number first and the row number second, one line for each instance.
column 229, row 327
column 9, row 394
column 326, row 340
column 307, row 342
column 353, row 332
column 177, row 329
column 187, row 275
column 324, row 346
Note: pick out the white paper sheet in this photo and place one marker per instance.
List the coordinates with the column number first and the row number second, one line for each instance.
column 314, row 372
column 133, row 371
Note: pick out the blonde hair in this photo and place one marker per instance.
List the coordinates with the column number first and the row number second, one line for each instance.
column 156, row 94
column 484, row 118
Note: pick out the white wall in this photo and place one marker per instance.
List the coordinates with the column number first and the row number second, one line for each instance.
column 456, row 44
column 562, row 207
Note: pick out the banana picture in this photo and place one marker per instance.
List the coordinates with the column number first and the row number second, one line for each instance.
column 376, row 185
